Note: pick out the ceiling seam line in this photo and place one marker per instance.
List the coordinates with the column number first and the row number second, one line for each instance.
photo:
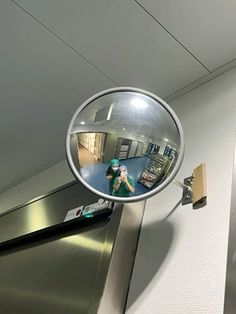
column 35, row 90
column 188, row 87
column 173, row 36
column 223, row 65
column 192, row 89
column 23, row 145
column 31, row 175
column 68, row 45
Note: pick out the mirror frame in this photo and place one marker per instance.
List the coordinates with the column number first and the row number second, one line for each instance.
column 131, row 198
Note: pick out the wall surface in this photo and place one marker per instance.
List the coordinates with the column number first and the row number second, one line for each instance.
column 37, row 185
column 181, row 259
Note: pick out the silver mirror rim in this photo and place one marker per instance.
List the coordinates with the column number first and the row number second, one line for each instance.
column 131, row 198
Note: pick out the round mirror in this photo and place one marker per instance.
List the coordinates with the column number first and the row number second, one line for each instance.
column 125, row 144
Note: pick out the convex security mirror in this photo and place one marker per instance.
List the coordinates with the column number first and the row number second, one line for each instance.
column 125, row 144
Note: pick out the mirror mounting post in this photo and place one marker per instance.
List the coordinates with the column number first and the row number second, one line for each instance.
column 194, row 187
column 187, row 195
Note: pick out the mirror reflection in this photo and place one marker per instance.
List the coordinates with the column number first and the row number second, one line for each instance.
column 124, row 143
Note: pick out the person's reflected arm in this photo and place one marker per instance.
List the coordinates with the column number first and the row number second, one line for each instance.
column 117, row 184
column 108, row 173
column 129, row 185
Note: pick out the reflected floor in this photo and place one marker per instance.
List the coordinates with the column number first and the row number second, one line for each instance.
column 94, row 174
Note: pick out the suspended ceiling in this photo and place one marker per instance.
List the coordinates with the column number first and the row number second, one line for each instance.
column 55, row 54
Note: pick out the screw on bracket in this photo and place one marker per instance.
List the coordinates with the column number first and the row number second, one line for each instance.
column 187, row 196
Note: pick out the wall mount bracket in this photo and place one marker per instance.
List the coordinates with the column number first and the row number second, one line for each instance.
column 194, row 188
column 187, row 196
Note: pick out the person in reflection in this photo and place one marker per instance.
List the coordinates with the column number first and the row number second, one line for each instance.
column 123, row 184
column 111, row 173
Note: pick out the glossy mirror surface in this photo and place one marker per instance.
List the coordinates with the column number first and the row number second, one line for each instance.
column 125, row 144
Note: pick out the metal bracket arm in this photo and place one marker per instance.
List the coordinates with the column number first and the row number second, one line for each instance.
column 194, row 187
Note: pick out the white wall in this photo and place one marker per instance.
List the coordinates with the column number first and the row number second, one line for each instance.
column 37, row 185
column 181, row 261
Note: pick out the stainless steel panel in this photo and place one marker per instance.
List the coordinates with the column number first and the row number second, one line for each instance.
column 133, row 149
column 55, row 276
column 121, row 265
column 139, row 149
column 82, row 270
column 44, row 212
column 230, row 287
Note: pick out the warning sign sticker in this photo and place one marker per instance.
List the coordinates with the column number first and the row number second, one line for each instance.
column 74, row 213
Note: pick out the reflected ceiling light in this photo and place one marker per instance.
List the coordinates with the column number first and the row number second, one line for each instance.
column 142, row 135
column 138, row 103
column 42, row 215
column 166, row 140
column 124, row 129
column 109, row 112
column 88, row 243
column 82, row 122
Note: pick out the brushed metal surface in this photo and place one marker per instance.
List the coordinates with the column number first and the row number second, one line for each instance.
column 56, row 276
column 44, row 212
column 230, row 286
column 82, row 270
column 116, row 287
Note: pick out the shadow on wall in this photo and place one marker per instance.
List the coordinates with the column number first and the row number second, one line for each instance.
column 156, row 240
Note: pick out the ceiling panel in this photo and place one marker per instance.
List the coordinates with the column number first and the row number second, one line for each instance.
column 55, row 54
column 122, row 40
column 206, row 28
column 16, row 161
column 37, row 57
column 30, row 119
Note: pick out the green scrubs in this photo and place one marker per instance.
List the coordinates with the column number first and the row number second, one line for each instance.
column 123, row 190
